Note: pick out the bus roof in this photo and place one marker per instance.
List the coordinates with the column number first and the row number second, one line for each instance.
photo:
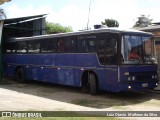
column 111, row 30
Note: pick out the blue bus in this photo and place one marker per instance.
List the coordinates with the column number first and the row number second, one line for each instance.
column 101, row 59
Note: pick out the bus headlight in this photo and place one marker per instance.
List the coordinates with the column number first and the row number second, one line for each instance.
column 133, row 78
column 155, row 76
column 129, row 78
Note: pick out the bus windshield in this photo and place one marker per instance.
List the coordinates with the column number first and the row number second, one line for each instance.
column 138, row 49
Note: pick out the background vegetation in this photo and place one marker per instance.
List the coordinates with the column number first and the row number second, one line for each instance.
column 52, row 28
column 110, row 23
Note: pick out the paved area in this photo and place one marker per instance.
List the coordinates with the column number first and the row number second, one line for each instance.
column 158, row 87
column 41, row 97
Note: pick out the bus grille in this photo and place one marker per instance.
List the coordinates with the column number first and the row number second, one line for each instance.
column 143, row 77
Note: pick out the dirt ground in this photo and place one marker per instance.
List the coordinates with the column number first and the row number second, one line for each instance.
column 37, row 96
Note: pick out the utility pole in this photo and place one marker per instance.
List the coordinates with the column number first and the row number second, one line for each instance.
column 89, row 14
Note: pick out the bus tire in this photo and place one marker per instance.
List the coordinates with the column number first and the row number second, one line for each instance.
column 93, row 84
column 85, row 89
column 20, row 75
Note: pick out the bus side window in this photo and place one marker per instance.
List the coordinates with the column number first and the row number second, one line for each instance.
column 83, row 46
column 101, row 45
column 61, row 45
column 101, row 51
column 48, row 45
column 22, row 47
column 7, row 48
column 87, row 43
column 70, row 45
column 51, row 45
column 111, row 50
column 111, row 46
column 34, row 46
column 14, row 47
column 91, row 45
column 10, row 47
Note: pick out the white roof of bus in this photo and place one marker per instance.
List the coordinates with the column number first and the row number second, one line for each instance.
column 113, row 30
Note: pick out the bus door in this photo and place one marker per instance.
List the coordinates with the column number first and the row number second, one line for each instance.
column 107, row 55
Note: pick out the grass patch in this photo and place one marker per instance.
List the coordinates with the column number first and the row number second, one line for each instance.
column 50, row 90
column 88, row 103
column 102, row 103
column 121, row 108
column 5, row 82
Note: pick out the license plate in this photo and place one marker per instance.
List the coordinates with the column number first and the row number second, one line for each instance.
column 145, row 85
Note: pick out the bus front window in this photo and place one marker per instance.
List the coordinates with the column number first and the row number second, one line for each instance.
column 138, row 50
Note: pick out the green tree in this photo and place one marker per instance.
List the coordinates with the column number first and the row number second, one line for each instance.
column 52, row 28
column 110, row 23
column 2, row 14
column 3, row 1
column 143, row 21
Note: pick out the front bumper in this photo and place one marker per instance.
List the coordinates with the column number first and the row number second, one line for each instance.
column 137, row 86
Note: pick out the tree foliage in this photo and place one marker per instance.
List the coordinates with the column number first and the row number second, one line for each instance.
column 52, row 28
column 143, row 21
column 2, row 14
column 3, row 1
column 110, row 23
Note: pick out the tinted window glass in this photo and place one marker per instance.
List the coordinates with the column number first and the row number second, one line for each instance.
column 87, row 43
column 111, row 45
column 48, row 45
column 22, row 47
column 61, row 45
column 70, row 45
column 34, row 46
column 10, row 47
column 107, row 48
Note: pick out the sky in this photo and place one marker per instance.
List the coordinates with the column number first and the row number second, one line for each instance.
column 74, row 13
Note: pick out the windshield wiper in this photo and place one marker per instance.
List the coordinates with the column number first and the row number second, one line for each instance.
column 144, row 59
column 149, row 58
column 141, row 59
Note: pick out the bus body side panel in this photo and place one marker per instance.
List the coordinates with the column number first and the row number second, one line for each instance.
column 66, row 69
column 134, row 77
column 32, row 66
column 83, row 63
column 62, row 68
column 107, row 78
column 48, row 68
column 101, row 75
column 8, row 67
column 111, row 78
column 72, row 66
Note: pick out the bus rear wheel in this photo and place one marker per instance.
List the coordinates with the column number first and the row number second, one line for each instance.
column 93, row 84
column 20, row 76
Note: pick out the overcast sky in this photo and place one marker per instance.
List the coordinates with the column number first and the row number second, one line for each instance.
column 74, row 13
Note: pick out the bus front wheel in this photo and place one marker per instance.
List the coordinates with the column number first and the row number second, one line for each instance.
column 93, row 84
column 20, row 76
